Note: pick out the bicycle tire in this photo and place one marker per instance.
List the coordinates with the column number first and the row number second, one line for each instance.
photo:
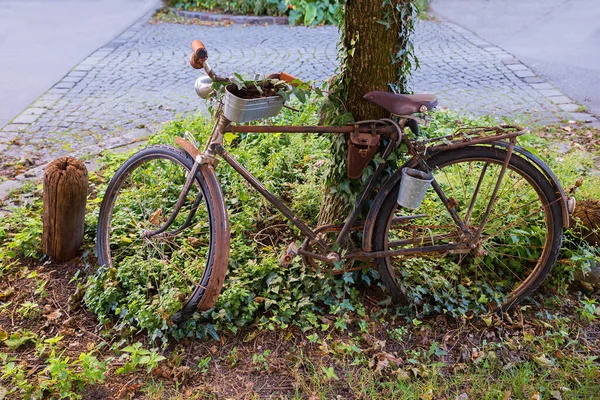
column 495, row 277
column 183, row 270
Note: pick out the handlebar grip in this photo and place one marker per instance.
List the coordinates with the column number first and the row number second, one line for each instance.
column 199, row 55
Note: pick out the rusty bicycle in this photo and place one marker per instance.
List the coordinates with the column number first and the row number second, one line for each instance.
column 488, row 229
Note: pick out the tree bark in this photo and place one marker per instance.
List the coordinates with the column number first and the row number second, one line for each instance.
column 372, row 41
column 64, row 197
column 370, row 66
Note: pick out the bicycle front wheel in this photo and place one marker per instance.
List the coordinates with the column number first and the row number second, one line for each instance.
column 518, row 246
column 173, row 271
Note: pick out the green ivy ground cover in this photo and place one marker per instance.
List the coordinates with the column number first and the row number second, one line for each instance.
column 335, row 329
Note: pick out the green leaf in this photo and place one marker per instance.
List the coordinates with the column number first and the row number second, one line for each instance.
column 294, row 16
column 311, row 14
column 18, row 339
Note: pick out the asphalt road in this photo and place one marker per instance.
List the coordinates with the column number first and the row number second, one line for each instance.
column 558, row 39
column 41, row 40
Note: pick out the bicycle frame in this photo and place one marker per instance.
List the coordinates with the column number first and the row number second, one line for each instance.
column 215, row 147
column 393, row 133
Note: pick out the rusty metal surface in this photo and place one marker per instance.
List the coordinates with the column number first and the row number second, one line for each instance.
column 558, row 189
column 221, row 230
column 188, row 147
column 385, row 131
column 467, row 137
column 408, row 251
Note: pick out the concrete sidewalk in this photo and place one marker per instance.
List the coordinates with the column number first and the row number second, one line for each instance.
column 41, row 40
column 557, row 39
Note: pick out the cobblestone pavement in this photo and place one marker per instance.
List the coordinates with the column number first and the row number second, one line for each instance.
column 141, row 79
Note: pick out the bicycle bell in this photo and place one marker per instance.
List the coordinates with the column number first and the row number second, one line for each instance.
column 204, row 86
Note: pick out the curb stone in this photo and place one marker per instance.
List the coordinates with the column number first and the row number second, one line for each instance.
column 237, row 19
column 525, row 74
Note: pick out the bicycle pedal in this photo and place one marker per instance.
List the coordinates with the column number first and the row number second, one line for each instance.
column 289, row 254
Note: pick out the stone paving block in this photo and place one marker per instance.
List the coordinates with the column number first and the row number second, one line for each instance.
column 83, row 68
column 77, row 73
column 560, row 99
column 505, row 56
column 64, row 85
column 50, row 96
column 13, row 128
column 535, row 79
column 551, row 92
column 7, row 187
column 542, row 86
column 25, row 119
column 580, row 116
column 8, row 136
column 568, row 107
column 517, row 67
column 524, row 73
column 73, row 79
column 35, row 110
column 56, row 90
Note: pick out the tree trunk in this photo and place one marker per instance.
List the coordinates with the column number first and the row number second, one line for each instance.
column 371, row 66
column 373, row 36
column 585, row 222
column 64, row 197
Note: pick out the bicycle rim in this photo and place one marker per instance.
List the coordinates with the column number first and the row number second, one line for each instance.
column 170, row 271
column 518, row 246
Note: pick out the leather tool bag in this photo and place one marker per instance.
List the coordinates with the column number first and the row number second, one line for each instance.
column 361, row 150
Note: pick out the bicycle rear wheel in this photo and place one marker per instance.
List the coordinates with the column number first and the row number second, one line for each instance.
column 519, row 243
column 175, row 271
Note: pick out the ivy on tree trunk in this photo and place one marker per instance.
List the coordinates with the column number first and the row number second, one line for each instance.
column 376, row 54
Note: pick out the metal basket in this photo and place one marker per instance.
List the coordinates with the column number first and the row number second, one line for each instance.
column 237, row 109
column 413, row 187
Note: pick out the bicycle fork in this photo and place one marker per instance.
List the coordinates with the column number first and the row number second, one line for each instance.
column 191, row 174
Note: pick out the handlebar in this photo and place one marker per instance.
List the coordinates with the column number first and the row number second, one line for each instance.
column 199, row 57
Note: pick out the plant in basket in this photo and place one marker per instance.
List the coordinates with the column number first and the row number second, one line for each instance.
column 249, row 99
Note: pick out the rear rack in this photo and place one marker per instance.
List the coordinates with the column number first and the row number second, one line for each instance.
column 464, row 137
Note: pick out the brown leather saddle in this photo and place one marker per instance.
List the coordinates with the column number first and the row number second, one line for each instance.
column 402, row 104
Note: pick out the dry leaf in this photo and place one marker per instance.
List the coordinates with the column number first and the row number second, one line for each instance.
column 155, row 217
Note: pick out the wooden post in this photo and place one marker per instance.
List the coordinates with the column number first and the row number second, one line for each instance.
column 65, row 193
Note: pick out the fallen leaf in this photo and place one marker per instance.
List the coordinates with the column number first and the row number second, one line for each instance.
column 76, row 298
column 55, row 316
column 556, row 394
column 543, row 361
column 155, row 217
column 5, row 294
